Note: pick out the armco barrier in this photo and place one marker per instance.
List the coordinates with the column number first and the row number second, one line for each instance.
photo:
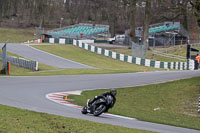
column 59, row 41
column 189, row 65
column 33, row 65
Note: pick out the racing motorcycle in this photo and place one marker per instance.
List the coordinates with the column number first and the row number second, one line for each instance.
column 100, row 105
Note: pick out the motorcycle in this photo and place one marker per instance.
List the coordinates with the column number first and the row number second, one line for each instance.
column 99, row 106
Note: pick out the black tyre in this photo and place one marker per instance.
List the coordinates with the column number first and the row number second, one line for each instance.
column 84, row 110
column 99, row 110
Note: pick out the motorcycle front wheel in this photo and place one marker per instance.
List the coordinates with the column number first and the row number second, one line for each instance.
column 84, row 110
column 99, row 110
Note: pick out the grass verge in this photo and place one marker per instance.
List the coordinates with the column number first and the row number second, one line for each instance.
column 21, row 71
column 173, row 103
column 179, row 50
column 16, row 35
column 102, row 63
column 23, row 121
column 18, row 71
column 15, row 70
column 152, row 56
column 88, row 58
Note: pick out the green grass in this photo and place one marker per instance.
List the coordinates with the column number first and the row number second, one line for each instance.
column 16, row 35
column 177, row 50
column 15, row 70
column 153, row 56
column 173, row 103
column 102, row 63
column 13, row 120
column 18, row 71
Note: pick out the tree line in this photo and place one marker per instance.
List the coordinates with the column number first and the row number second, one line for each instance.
column 119, row 14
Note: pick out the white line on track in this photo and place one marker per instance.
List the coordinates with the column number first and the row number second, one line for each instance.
column 60, row 57
column 123, row 117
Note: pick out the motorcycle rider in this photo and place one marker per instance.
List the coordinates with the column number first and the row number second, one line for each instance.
column 109, row 96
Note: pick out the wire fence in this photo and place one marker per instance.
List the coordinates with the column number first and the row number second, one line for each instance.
column 32, row 65
column 169, row 55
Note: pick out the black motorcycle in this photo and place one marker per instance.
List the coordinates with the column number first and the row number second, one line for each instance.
column 100, row 105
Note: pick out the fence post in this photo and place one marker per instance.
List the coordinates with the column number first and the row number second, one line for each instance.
column 8, row 68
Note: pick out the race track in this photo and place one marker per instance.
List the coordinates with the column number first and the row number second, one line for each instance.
column 43, row 57
column 29, row 93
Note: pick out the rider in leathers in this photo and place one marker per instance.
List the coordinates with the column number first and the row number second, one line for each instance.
column 110, row 97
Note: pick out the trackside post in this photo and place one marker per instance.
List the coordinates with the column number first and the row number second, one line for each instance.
column 8, row 68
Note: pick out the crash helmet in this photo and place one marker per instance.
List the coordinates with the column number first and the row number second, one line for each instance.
column 113, row 92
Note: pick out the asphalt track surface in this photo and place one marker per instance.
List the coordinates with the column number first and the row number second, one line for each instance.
column 43, row 57
column 29, row 93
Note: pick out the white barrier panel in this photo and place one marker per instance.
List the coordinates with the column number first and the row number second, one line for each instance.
column 99, row 50
column 191, row 64
column 157, row 64
column 176, row 65
column 92, row 48
column 87, row 41
column 172, row 65
column 130, row 59
column 106, row 52
column 181, row 65
column 121, row 57
column 74, row 42
column 61, row 41
column 147, row 62
column 185, row 66
column 86, row 46
column 51, row 40
column 138, row 61
column 165, row 65
column 114, row 56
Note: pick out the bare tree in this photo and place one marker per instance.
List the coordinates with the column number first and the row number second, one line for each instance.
column 196, row 6
column 119, row 14
column 132, row 20
column 146, row 23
